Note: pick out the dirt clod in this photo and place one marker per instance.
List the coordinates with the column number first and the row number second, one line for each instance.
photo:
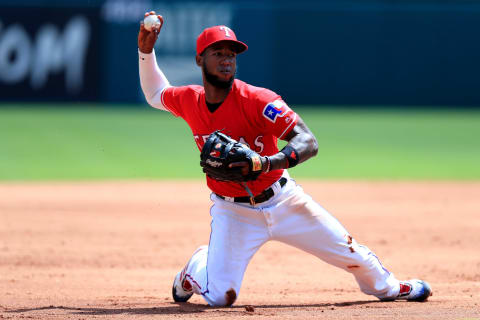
column 249, row 308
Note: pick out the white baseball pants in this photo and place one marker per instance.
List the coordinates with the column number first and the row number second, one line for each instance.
column 238, row 230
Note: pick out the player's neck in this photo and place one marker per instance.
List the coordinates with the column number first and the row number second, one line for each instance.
column 215, row 95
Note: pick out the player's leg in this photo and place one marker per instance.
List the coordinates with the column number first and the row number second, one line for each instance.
column 302, row 223
column 216, row 272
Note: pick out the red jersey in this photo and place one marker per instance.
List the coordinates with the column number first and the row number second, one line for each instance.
column 251, row 115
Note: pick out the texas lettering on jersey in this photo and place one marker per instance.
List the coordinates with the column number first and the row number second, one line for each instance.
column 256, row 146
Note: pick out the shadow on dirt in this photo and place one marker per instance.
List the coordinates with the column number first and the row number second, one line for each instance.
column 186, row 308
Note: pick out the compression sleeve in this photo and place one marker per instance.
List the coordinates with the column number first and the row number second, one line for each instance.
column 152, row 79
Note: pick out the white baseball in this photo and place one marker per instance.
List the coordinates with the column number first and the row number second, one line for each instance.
column 151, row 22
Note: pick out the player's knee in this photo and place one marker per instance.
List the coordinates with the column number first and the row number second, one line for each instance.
column 230, row 297
column 222, row 298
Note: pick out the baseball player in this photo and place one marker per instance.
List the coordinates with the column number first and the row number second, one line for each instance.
column 269, row 206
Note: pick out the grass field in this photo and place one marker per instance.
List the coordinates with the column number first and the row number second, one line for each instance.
column 83, row 142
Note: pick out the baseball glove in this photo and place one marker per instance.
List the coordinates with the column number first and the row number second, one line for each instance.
column 219, row 151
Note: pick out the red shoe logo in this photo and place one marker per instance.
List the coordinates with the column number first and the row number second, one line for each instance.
column 405, row 289
column 186, row 285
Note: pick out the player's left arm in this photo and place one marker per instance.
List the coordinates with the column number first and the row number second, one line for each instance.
column 301, row 146
column 301, row 142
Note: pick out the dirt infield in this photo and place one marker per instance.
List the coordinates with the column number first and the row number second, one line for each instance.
column 111, row 250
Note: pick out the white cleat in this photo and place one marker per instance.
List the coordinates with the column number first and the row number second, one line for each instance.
column 414, row 290
column 182, row 289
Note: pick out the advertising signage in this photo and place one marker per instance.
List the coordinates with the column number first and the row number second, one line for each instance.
column 49, row 54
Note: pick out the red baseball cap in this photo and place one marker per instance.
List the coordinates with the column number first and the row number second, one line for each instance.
column 216, row 34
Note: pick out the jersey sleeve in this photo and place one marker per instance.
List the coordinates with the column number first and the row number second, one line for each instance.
column 172, row 98
column 275, row 114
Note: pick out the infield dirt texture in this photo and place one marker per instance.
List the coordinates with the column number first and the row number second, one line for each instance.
column 111, row 250
column 83, row 248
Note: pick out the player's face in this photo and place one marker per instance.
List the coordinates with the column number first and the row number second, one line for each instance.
column 220, row 64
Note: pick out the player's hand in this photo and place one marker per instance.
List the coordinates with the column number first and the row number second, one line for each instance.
column 245, row 167
column 147, row 39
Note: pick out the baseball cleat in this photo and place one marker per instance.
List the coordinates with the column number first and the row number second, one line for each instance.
column 182, row 289
column 414, row 290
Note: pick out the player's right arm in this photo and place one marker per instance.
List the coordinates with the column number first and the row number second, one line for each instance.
column 152, row 79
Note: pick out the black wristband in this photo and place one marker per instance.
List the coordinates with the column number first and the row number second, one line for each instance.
column 291, row 154
column 268, row 164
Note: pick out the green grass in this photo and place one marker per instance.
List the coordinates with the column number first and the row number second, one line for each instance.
column 94, row 142
column 393, row 144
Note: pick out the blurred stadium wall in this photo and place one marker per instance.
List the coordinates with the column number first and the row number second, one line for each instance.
column 354, row 52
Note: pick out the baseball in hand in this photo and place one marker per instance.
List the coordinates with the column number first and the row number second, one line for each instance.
column 151, row 22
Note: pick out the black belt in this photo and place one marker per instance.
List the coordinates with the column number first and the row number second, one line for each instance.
column 262, row 197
